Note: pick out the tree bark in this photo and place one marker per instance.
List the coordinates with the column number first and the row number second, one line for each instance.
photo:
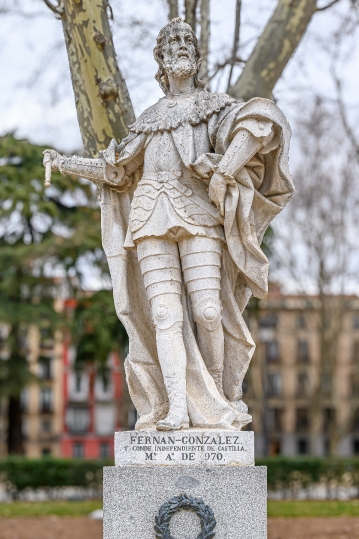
column 190, row 13
column 103, row 104
column 274, row 48
column 14, row 434
column 172, row 9
column 204, row 39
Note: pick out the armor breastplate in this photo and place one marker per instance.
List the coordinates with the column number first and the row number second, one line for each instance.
column 161, row 155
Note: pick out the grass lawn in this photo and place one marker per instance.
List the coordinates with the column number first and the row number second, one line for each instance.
column 288, row 509
column 43, row 509
column 313, row 508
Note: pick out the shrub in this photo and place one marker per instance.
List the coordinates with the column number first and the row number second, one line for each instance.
column 288, row 473
column 19, row 473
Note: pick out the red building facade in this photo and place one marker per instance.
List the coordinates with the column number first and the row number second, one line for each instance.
column 91, row 402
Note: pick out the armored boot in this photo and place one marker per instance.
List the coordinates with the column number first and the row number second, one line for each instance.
column 172, row 358
column 217, row 375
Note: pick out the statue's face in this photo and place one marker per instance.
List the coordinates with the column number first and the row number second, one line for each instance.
column 179, row 54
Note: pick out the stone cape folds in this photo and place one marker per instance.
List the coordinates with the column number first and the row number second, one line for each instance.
column 262, row 189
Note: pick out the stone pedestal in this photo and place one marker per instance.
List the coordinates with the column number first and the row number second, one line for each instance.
column 191, row 483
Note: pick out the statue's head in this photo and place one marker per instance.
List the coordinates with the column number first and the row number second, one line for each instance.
column 177, row 54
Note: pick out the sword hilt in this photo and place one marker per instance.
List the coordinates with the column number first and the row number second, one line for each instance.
column 48, row 174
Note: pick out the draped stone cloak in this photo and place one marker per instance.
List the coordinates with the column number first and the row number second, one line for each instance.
column 262, row 189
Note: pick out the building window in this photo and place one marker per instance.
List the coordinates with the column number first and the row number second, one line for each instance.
column 274, row 384
column 45, row 368
column 356, row 321
column 301, row 420
column 303, row 352
column 104, row 450
column 46, row 400
column 326, row 383
column 301, row 321
column 24, row 401
column 46, row 452
column 269, row 321
column 328, row 418
column 354, row 384
column 356, row 351
column 302, row 384
column 272, row 352
column 78, row 450
column 356, row 447
column 78, row 381
column 78, row 419
column 274, row 419
column 302, row 447
column 46, row 425
column 274, row 448
column 355, row 423
column 47, row 338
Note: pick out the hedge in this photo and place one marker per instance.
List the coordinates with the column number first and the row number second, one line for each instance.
column 18, row 473
column 287, row 473
column 284, row 473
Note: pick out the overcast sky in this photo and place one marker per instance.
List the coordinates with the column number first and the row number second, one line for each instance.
column 36, row 97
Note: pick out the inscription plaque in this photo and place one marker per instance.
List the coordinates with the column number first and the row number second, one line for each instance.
column 184, row 447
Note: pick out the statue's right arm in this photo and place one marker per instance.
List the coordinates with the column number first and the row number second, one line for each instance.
column 96, row 170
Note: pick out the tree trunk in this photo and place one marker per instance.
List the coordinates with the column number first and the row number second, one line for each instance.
column 103, row 104
column 204, row 39
column 14, row 435
column 190, row 13
column 274, row 48
column 172, row 9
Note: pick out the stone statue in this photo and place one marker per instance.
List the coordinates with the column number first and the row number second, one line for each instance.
column 185, row 199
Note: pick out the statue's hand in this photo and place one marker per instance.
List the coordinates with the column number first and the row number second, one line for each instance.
column 51, row 156
column 217, row 191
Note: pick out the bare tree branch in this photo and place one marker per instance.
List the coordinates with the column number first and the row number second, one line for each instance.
column 235, row 40
column 327, row 6
column 274, row 49
column 343, row 115
column 58, row 10
column 204, row 39
column 190, row 13
column 172, row 9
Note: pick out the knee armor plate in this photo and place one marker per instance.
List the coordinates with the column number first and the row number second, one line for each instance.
column 208, row 313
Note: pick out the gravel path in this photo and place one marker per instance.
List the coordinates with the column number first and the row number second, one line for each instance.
column 84, row 528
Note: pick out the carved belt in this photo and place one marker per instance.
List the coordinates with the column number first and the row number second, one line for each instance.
column 163, row 177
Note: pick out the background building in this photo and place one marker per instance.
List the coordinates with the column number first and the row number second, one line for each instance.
column 91, row 410
column 303, row 385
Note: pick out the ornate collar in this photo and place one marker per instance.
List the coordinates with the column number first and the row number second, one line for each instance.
column 173, row 110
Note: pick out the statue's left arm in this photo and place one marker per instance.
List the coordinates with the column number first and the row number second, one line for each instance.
column 250, row 137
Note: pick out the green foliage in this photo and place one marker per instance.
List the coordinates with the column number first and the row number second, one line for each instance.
column 96, row 329
column 292, row 474
column 43, row 234
column 18, row 473
column 312, row 508
column 40, row 232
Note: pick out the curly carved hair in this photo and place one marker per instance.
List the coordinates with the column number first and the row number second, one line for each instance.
column 161, row 75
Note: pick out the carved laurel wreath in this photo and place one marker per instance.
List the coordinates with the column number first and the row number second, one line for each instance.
column 168, row 509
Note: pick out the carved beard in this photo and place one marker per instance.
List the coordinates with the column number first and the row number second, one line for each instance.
column 181, row 68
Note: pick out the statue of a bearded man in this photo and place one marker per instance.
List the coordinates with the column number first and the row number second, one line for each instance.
column 186, row 199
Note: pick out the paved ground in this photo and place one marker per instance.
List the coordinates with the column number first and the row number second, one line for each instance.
column 313, row 528
column 84, row 528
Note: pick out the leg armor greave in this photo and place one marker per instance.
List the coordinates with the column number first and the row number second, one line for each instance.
column 161, row 271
